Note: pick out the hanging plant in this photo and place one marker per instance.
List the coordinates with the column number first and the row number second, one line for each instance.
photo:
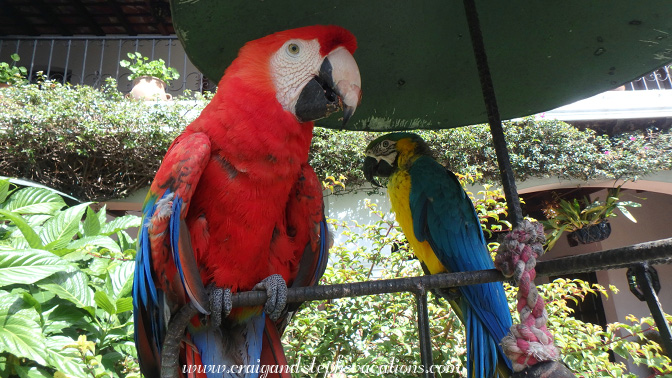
column 584, row 220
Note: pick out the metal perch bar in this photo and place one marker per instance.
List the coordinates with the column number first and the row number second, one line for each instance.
column 654, row 252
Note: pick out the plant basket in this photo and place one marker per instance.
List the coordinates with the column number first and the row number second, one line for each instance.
column 591, row 234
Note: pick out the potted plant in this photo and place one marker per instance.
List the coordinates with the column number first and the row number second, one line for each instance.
column 11, row 74
column 150, row 77
column 583, row 219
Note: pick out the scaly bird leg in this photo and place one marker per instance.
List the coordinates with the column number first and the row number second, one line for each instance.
column 220, row 305
column 447, row 293
column 276, row 291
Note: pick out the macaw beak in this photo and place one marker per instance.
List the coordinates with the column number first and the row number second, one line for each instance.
column 374, row 167
column 337, row 86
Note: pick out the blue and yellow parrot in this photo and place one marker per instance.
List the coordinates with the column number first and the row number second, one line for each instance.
column 443, row 229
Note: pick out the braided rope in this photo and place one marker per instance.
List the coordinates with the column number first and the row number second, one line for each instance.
column 530, row 341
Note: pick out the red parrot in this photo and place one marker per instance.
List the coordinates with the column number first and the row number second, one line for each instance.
column 235, row 206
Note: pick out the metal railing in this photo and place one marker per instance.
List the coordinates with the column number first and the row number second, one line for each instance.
column 656, row 80
column 90, row 60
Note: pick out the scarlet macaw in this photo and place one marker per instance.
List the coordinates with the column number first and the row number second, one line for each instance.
column 441, row 225
column 235, row 202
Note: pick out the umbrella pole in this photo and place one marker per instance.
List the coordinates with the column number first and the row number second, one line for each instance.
column 550, row 368
column 494, row 119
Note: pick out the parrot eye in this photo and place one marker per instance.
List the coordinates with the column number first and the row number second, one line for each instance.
column 386, row 143
column 293, row 48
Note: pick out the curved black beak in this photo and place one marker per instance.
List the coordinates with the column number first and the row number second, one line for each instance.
column 337, row 86
column 374, row 167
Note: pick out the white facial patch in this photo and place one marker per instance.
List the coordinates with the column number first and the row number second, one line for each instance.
column 292, row 67
column 385, row 150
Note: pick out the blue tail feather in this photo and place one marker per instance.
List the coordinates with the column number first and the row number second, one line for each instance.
column 217, row 353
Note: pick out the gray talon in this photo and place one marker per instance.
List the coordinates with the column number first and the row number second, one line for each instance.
column 276, row 291
column 220, row 305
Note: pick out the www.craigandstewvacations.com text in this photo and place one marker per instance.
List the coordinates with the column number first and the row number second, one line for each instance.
column 323, row 370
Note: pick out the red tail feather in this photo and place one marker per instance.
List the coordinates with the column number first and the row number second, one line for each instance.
column 272, row 353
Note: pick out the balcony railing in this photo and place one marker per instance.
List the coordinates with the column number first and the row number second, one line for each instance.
column 656, row 80
column 90, row 60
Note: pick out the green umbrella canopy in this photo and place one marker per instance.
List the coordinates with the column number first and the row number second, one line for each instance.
column 416, row 60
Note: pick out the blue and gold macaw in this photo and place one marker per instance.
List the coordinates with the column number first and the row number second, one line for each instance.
column 443, row 229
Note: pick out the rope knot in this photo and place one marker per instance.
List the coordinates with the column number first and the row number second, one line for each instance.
column 529, row 342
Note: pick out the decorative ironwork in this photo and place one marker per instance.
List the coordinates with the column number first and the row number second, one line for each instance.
column 656, row 80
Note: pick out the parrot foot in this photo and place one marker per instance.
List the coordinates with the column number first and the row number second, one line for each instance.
column 449, row 293
column 276, row 291
column 220, row 305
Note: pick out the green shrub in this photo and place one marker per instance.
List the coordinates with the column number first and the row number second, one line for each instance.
column 97, row 145
column 84, row 142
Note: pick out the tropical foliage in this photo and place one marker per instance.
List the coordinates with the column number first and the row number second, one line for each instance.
column 65, row 288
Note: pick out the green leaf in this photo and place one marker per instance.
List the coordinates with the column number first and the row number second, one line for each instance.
column 34, row 201
column 15, row 303
column 63, row 316
column 31, row 372
column 4, row 190
column 66, row 359
column 72, row 286
column 124, row 304
column 104, row 302
column 99, row 267
column 29, row 234
column 29, row 266
column 36, row 220
column 126, row 242
column 59, row 230
column 91, row 224
column 22, row 337
column 120, row 281
column 96, row 241
column 102, row 215
column 120, row 223
column 626, row 213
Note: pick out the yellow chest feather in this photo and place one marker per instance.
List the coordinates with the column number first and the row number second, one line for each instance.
column 399, row 189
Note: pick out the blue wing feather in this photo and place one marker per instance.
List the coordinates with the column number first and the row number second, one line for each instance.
column 147, row 299
column 444, row 216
